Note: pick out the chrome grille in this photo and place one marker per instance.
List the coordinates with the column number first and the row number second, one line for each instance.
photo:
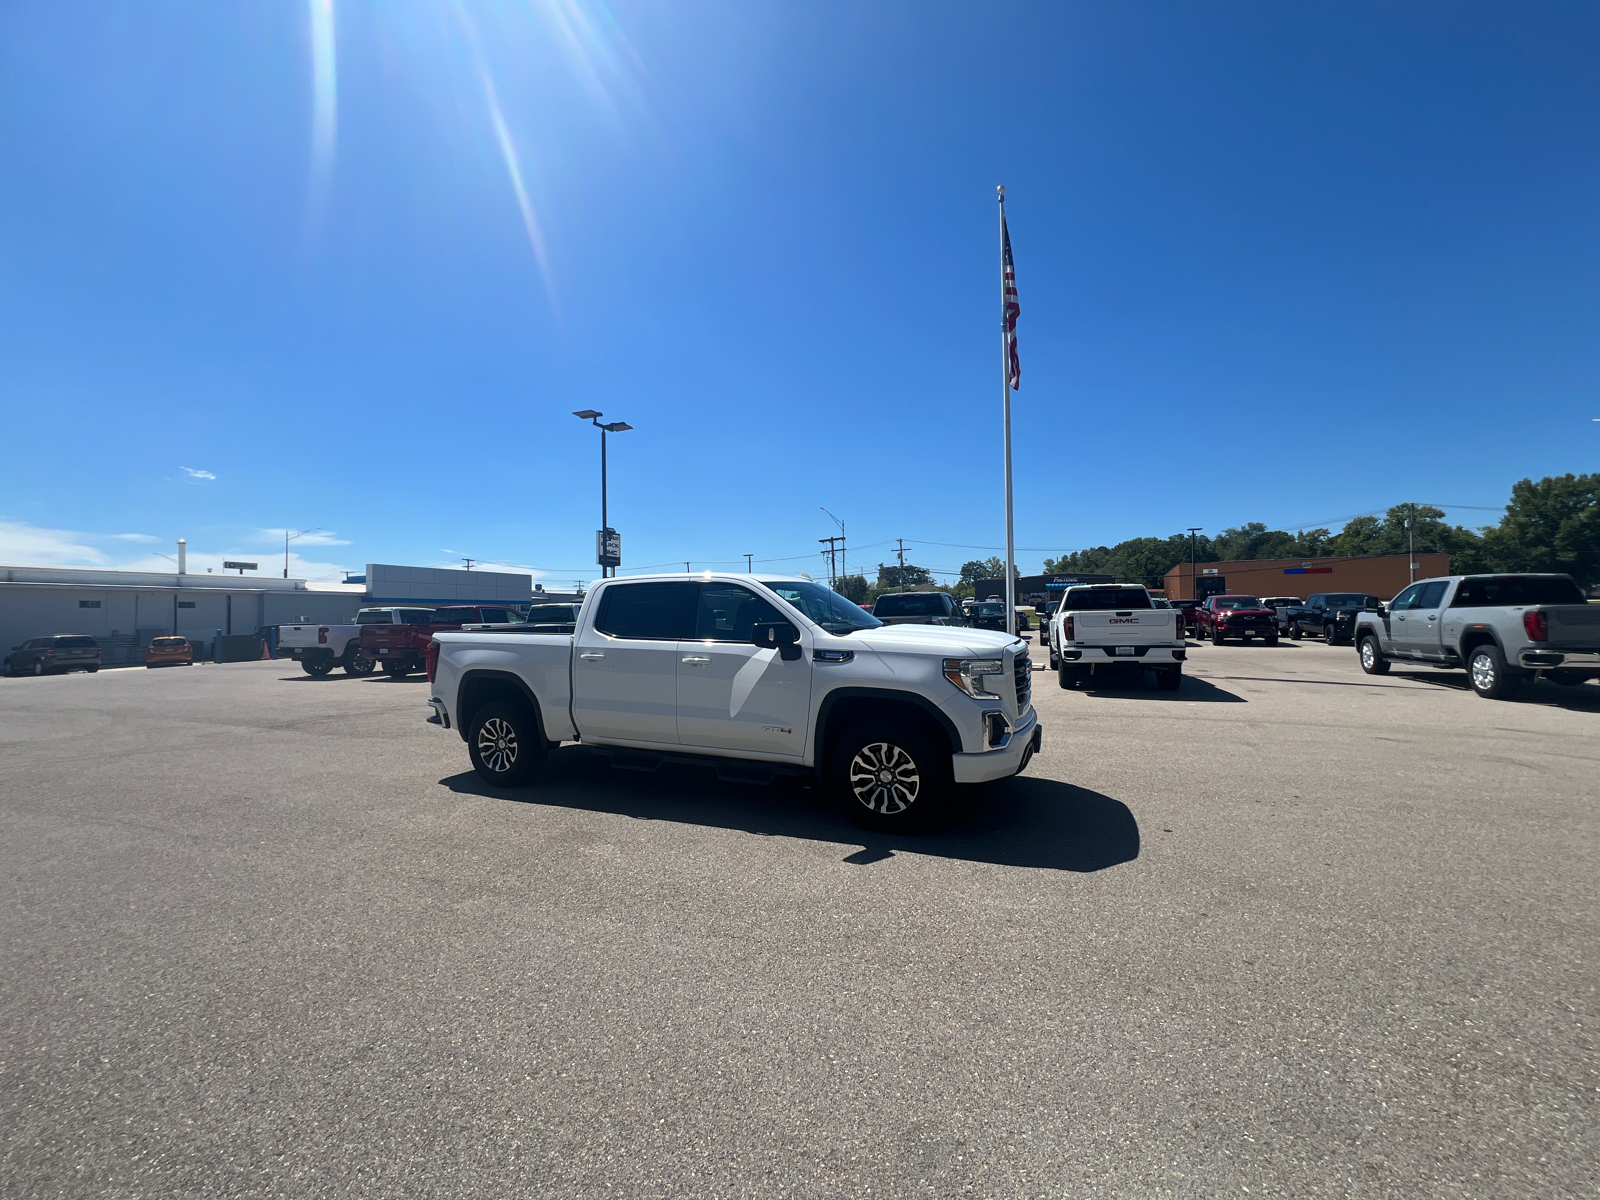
column 1022, row 672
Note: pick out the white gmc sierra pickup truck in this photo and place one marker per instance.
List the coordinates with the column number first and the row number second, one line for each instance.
column 753, row 675
column 321, row 648
column 1107, row 628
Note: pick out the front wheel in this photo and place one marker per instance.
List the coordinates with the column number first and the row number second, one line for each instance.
column 891, row 775
column 91, row 670
column 506, row 745
column 317, row 668
column 1328, row 635
column 1491, row 679
column 1372, row 660
column 357, row 665
column 1216, row 637
column 1271, row 639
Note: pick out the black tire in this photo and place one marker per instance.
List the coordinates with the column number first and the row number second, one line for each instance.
column 1067, row 675
column 396, row 670
column 1329, row 636
column 356, row 665
column 1293, row 631
column 1271, row 639
column 1372, row 660
column 919, row 770
column 1055, row 660
column 1490, row 677
column 1169, row 679
column 1566, row 678
column 317, row 668
column 91, row 670
column 506, row 745
column 1216, row 636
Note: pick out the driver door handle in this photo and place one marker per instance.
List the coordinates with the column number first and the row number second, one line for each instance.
column 697, row 660
column 591, row 656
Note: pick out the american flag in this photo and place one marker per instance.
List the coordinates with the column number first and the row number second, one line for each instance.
column 1013, row 310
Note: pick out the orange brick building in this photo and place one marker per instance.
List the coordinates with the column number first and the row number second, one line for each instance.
column 1380, row 575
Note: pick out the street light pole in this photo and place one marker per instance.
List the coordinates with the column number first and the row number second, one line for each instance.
column 289, row 536
column 593, row 417
column 1194, row 588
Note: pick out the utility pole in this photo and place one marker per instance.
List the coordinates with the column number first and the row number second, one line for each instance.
column 902, row 553
column 468, row 561
column 830, row 552
column 749, row 568
column 1411, row 547
column 1194, row 587
column 844, row 566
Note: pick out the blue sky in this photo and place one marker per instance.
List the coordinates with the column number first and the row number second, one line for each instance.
column 1285, row 263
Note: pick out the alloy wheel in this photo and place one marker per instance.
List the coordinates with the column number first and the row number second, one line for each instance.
column 497, row 744
column 1482, row 672
column 884, row 778
column 1369, row 654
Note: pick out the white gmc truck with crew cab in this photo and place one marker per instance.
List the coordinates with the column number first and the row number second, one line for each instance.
column 321, row 648
column 1106, row 628
column 753, row 675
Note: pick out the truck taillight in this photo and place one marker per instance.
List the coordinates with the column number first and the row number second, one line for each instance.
column 1066, row 629
column 1536, row 625
column 322, row 635
column 430, row 658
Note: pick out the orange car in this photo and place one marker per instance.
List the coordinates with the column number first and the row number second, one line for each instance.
column 169, row 652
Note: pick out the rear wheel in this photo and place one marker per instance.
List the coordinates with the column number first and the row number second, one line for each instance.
column 317, row 667
column 1169, row 679
column 1372, row 660
column 1566, row 678
column 1491, row 679
column 396, row 670
column 92, row 670
column 891, row 775
column 356, row 665
column 505, row 744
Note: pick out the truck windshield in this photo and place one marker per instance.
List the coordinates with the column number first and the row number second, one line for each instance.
column 990, row 610
column 1233, row 602
column 1105, row 599
column 826, row 607
column 1512, row 590
column 1345, row 600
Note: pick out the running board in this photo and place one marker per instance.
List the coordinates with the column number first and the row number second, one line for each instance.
column 729, row 770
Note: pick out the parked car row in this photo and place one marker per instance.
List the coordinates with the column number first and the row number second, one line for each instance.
column 393, row 637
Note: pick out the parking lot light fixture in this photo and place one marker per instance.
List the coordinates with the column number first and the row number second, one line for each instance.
column 593, row 417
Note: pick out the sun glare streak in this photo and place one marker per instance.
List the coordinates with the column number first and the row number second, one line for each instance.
column 324, row 102
column 513, row 160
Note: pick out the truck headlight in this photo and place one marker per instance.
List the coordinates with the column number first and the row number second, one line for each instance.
column 971, row 675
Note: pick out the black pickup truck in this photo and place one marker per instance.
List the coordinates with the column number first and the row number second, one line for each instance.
column 1330, row 615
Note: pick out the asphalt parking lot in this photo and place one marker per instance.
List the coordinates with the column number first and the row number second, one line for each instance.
column 1288, row 931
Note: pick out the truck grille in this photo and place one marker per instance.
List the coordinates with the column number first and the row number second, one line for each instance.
column 1022, row 672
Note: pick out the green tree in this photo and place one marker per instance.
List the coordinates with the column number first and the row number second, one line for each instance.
column 894, row 578
column 1551, row 525
column 853, row 588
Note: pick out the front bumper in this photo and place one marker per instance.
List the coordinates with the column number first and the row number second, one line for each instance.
column 1566, row 660
column 1003, row 761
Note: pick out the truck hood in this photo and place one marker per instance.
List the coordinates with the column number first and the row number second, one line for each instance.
column 925, row 639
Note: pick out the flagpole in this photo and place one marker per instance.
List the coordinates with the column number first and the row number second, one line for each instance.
column 1005, row 405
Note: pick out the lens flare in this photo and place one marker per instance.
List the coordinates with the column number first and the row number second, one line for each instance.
column 324, row 103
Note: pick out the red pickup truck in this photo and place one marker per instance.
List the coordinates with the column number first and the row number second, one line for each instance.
column 400, row 649
column 1242, row 617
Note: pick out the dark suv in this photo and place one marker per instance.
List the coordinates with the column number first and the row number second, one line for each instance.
column 919, row 608
column 1331, row 615
column 60, row 652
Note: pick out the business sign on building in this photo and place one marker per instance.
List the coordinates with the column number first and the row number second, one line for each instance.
column 387, row 583
column 240, row 567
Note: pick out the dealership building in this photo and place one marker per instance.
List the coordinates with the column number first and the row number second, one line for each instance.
column 123, row 610
column 1380, row 575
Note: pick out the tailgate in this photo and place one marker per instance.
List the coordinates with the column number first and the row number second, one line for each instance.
column 390, row 637
column 298, row 637
column 1574, row 627
column 1142, row 627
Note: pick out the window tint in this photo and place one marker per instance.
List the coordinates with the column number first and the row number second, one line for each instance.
column 552, row 614
column 414, row 616
column 1105, row 599
column 1431, row 594
column 76, row 643
column 369, row 616
column 648, row 610
column 1406, row 599
column 826, row 607
column 728, row 613
column 1230, row 603
column 169, row 643
column 1344, row 599
column 497, row 616
column 1497, row 591
column 909, row 605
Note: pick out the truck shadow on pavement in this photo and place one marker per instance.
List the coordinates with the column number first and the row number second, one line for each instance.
column 1023, row 821
column 1583, row 697
column 1193, row 690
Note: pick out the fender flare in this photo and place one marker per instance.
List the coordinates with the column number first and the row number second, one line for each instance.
column 474, row 674
column 891, row 695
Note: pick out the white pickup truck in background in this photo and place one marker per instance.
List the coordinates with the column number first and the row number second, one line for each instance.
column 753, row 675
column 1102, row 629
column 320, row 648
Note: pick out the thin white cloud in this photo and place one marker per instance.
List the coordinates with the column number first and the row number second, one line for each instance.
column 136, row 537
column 31, row 545
column 321, row 537
column 196, row 474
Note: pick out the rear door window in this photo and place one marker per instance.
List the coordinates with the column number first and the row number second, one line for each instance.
column 658, row 611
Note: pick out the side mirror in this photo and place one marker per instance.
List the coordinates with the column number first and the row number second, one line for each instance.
column 1374, row 606
column 777, row 635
